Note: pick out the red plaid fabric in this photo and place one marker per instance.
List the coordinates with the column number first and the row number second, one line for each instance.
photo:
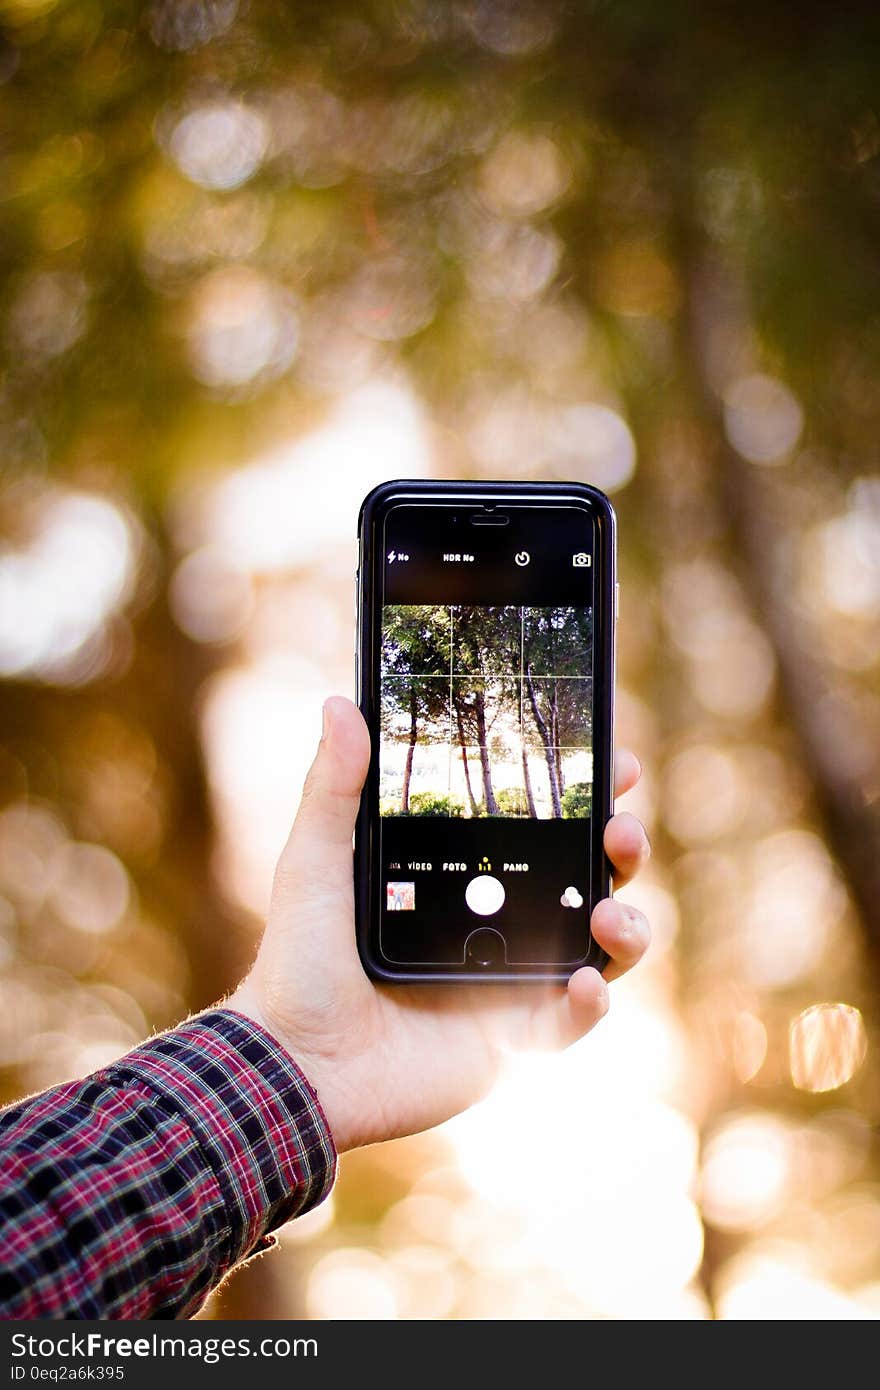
column 132, row 1193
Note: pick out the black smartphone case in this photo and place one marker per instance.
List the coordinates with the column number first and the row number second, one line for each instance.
column 369, row 555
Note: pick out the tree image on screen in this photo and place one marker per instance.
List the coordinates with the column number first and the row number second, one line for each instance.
column 486, row 711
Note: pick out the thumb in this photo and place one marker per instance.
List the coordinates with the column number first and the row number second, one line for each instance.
column 317, row 856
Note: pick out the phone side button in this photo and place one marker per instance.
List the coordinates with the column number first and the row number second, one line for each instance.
column 617, row 601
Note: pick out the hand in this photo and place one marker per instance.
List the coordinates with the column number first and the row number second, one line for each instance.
column 390, row 1060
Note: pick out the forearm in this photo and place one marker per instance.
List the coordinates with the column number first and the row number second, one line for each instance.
column 132, row 1193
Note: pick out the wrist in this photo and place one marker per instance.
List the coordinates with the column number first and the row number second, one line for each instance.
column 246, row 1000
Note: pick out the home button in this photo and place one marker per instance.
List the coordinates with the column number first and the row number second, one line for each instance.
column 485, row 947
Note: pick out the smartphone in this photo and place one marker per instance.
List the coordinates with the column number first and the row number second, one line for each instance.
column 485, row 672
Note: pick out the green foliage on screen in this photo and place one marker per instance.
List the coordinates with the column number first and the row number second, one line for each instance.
column 577, row 800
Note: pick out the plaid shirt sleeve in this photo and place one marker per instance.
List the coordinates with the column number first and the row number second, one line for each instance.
column 132, row 1193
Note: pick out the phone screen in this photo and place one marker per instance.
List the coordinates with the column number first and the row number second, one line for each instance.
column 486, row 719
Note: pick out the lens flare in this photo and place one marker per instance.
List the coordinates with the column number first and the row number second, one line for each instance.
column 827, row 1045
column 763, row 419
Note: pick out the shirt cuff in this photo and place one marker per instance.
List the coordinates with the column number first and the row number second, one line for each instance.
column 257, row 1120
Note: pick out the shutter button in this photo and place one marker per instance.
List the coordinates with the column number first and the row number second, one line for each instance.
column 484, row 895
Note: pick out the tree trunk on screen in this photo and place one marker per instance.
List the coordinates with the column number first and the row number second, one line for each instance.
column 544, row 732
column 554, row 737
column 527, row 783
column 488, row 793
column 410, row 752
column 464, row 760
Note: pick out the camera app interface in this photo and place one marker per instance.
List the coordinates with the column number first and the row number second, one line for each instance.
column 486, row 734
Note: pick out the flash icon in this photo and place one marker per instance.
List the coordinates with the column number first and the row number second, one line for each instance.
column 392, row 556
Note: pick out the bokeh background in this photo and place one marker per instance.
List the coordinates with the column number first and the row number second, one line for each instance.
column 257, row 257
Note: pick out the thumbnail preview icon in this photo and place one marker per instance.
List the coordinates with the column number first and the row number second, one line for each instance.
column 400, row 897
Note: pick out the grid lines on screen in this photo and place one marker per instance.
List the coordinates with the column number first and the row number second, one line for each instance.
column 486, row 711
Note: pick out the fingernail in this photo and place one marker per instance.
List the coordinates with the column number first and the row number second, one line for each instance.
column 325, row 721
column 602, row 996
